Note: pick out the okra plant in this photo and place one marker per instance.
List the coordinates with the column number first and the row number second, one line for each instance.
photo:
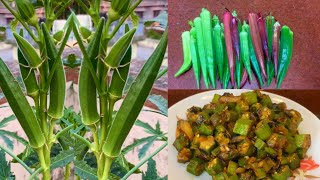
column 102, row 80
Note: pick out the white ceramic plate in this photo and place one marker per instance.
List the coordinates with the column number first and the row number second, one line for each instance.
column 177, row 171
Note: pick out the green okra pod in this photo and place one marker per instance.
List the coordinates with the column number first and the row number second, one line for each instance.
column 186, row 54
column 28, row 51
column 218, row 49
column 119, row 50
column 20, row 107
column 28, row 75
column 134, row 100
column 226, row 69
column 87, row 86
column 195, row 57
column 201, row 50
column 206, row 22
column 244, row 46
column 27, row 11
column 58, row 82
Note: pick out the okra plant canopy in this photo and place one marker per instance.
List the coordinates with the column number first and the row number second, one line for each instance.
column 44, row 78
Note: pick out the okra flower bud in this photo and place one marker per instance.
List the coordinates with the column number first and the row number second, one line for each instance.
column 118, row 9
column 27, row 12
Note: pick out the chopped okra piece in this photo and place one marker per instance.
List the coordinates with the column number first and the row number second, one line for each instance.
column 291, row 146
column 208, row 144
column 214, row 166
column 241, row 107
column 263, row 130
column 259, row 172
column 265, row 114
column 270, row 151
column 215, row 98
column 206, row 129
column 232, row 167
column 216, row 151
column 186, row 128
column 283, row 174
column 220, row 176
column 243, row 162
column 259, row 144
column 246, row 148
column 261, row 153
column 242, row 126
column 294, row 161
column 303, row 141
column 181, row 142
column 196, row 166
column 184, row 155
column 219, row 108
column 250, row 97
column 266, row 101
column 277, row 141
column 233, row 177
column 222, row 139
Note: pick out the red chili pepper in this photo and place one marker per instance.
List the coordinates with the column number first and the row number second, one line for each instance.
column 308, row 164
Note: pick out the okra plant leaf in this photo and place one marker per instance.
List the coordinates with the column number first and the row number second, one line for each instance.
column 152, row 173
column 136, row 143
column 15, row 136
column 62, row 159
column 162, row 18
column 5, row 171
column 7, row 141
column 143, row 151
column 148, row 128
column 84, row 171
column 160, row 102
column 6, row 120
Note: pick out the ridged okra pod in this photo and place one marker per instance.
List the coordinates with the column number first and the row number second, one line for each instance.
column 58, row 82
column 87, row 87
column 134, row 100
column 20, row 107
column 28, row 51
column 28, row 75
column 119, row 50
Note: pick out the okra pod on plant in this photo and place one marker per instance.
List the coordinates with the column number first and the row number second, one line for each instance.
column 119, row 50
column 201, row 50
column 58, row 82
column 20, row 107
column 206, row 22
column 134, row 100
column 28, row 75
column 186, row 54
column 87, row 87
column 27, row 11
column 118, row 9
column 28, row 51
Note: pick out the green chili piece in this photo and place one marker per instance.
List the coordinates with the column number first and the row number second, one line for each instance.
column 244, row 46
column 201, row 50
column 195, row 57
column 186, row 54
column 208, row 41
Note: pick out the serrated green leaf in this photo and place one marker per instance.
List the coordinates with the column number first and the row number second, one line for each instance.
column 14, row 136
column 5, row 171
column 136, row 143
column 152, row 173
column 148, row 128
column 160, row 102
column 84, row 171
column 162, row 19
column 135, row 18
column 7, row 141
column 62, row 159
column 6, row 120
column 143, row 151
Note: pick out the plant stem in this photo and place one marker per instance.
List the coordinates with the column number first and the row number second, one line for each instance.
column 104, row 119
column 67, row 172
column 16, row 158
column 144, row 160
column 107, row 165
column 35, row 173
column 16, row 15
column 62, row 9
